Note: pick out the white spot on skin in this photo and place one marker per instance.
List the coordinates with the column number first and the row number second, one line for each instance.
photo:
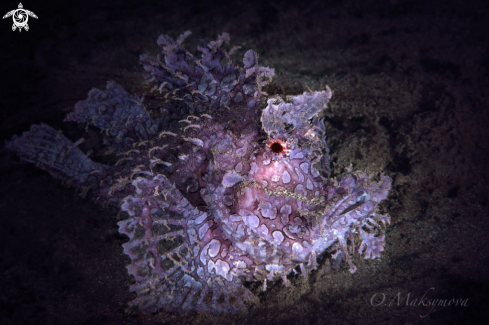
column 241, row 152
column 239, row 167
column 299, row 189
column 297, row 248
column 231, row 178
column 203, row 257
column 253, row 168
column 286, row 177
column 285, row 211
column 200, row 272
column 200, row 218
column 249, row 218
column 204, row 254
column 203, row 230
column 296, row 155
column 196, row 250
column 240, row 230
column 264, row 230
column 278, row 237
column 214, row 247
column 309, row 184
column 222, row 269
column 267, row 211
column 274, row 267
column 275, row 178
column 284, row 219
column 301, row 177
column 314, row 172
column 192, row 235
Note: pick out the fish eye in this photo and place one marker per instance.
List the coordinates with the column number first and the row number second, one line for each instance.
column 278, row 148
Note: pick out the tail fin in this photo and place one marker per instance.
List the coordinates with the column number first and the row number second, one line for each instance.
column 53, row 152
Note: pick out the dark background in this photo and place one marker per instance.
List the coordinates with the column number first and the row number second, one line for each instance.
column 410, row 82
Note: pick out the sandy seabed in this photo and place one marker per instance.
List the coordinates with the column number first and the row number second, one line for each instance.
column 410, row 98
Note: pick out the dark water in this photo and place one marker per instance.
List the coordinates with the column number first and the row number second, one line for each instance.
column 410, row 83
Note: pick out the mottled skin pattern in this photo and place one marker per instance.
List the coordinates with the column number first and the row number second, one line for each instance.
column 217, row 191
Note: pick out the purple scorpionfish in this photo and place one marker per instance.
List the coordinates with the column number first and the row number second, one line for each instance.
column 215, row 190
